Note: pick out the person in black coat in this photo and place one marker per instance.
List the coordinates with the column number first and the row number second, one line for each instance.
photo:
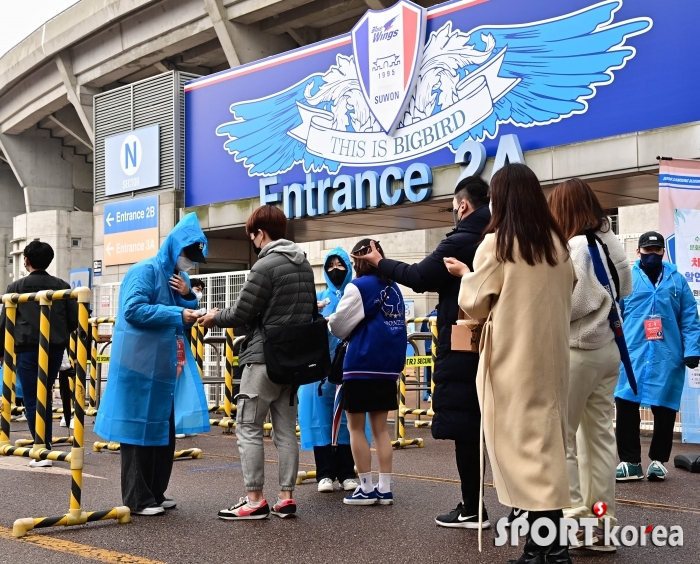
column 455, row 402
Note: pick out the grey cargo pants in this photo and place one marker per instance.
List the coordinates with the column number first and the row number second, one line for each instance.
column 259, row 394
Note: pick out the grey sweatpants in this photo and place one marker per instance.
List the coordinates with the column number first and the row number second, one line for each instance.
column 257, row 396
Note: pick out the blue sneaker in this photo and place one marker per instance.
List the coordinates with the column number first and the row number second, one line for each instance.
column 383, row 498
column 359, row 497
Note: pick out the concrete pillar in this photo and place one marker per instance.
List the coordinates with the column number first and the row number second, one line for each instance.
column 11, row 204
column 40, row 169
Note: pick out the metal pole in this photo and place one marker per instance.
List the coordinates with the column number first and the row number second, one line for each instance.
column 42, row 392
column 9, row 371
column 92, row 410
column 228, row 377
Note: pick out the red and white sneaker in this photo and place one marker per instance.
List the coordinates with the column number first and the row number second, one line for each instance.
column 285, row 508
column 243, row 510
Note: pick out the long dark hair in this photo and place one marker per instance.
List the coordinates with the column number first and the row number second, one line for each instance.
column 520, row 211
column 575, row 206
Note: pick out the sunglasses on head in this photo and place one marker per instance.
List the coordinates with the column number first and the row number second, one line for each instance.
column 366, row 249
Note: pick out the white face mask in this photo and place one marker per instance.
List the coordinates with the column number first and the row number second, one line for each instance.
column 198, row 294
column 184, row 264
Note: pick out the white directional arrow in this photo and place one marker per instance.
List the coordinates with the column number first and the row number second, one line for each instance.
column 109, row 248
column 109, row 219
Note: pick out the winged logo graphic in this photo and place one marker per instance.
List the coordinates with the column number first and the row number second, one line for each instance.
column 468, row 83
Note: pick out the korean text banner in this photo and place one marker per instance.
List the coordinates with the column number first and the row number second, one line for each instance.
column 553, row 73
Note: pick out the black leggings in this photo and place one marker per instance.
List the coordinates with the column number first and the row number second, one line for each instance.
column 629, row 447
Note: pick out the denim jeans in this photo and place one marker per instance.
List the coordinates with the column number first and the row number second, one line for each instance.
column 28, row 372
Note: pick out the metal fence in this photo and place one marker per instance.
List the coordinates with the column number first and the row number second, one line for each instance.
column 221, row 290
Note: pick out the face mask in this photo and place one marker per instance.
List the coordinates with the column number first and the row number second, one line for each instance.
column 337, row 276
column 198, row 294
column 184, row 264
column 455, row 214
column 256, row 249
column 651, row 261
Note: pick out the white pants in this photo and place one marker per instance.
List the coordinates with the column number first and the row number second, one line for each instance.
column 592, row 379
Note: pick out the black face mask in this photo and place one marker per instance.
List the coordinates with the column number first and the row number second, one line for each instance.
column 337, row 276
column 256, row 249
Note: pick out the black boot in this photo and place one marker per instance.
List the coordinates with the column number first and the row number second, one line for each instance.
column 557, row 553
column 533, row 553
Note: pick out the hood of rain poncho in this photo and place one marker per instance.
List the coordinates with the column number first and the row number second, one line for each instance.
column 139, row 396
column 658, row 365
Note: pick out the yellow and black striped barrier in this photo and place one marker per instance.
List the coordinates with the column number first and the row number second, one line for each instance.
column 95, row 359
column 38, row 451
column 415, row 361
column 112, row 446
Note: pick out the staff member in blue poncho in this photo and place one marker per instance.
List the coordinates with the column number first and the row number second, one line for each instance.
column 316, row 411
column 148, row 356
column 660, row 320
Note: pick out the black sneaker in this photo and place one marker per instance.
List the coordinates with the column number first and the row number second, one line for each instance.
column 516, row 513
column 460, row 519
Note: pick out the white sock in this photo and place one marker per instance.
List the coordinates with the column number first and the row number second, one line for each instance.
column 384, row 485
column 254, row 503
column 366, row 481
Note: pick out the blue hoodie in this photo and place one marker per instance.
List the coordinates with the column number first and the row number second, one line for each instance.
column 139, row 394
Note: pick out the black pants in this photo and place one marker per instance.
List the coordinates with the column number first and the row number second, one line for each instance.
column 338, row 465
column 467, row 454
column 629, row 447
column 64, row 377
column 146, row 472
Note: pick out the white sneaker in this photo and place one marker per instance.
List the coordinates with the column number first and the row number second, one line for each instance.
column 40, row 464
column 191, row 434
column 149, row 511
column 72, row 421
column 180, row 436
column 350, row 485
column 63, row 422
column 22, row 417
column 325, row 485
column 168, row 503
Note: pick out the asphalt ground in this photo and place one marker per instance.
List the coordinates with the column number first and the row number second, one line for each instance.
column 425, row 484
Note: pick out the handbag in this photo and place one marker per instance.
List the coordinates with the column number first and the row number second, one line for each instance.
column 336, row 374
column 298, row 353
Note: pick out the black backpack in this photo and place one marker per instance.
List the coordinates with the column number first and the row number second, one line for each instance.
column 297, row 354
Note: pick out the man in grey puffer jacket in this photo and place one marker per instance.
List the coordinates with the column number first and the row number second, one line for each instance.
column 280, row 290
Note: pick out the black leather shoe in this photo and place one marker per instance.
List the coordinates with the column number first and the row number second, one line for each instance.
column 533, row 554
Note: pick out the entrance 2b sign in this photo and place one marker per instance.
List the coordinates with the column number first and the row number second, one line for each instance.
column 131, row 231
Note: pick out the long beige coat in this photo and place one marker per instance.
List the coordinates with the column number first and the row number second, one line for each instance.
column 523, row 377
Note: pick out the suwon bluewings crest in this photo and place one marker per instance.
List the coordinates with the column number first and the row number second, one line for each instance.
column 461, row 86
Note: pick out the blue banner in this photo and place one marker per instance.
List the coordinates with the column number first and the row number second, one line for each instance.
column 131, row 215
column 553, row 73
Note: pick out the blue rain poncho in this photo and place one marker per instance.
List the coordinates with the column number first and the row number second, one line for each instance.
column 140, row 390
column 658, row 365
column 316, row 412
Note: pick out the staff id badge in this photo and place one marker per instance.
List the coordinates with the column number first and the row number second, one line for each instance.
column 180, row 351
column 654, row 329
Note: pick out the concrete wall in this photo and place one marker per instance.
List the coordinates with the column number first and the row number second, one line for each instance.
column 58, row 228
column 638, row 219
column 11, row 204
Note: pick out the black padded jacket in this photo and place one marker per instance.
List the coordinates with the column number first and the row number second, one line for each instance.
column 279, row 290
column 64, row 314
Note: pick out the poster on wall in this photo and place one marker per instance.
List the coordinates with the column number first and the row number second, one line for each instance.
column 687, row 255
column 679, row 223
column 552, row 73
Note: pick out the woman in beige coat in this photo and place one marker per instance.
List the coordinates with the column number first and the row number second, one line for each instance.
column 522, row 285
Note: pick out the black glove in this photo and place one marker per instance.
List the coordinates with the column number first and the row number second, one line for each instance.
column 691, row 361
